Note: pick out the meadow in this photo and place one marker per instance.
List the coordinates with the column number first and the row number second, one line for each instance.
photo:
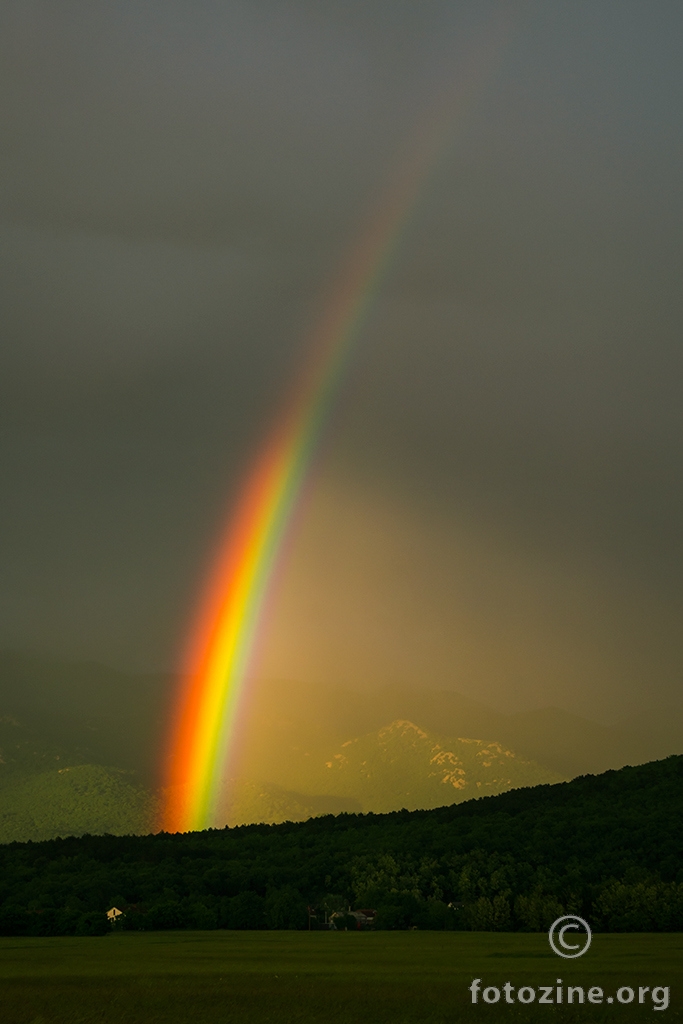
column 242, row 977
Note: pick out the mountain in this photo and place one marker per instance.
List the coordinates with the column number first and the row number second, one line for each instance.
column 95, row 713
column 23, row 752
column 403, row 765
column 47, row 790
column 289, row 720
column 111, row 717
column 74, row 801
column 75, row 746
column 398, row 766
column 305, row 750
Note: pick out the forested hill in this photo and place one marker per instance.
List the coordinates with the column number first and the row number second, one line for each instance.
column 608, row 847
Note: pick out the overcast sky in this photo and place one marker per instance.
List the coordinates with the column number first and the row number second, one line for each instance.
column 498, row 505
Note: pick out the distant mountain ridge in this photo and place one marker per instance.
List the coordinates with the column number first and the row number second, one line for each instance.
column 306, row 750
column 94, row 713
column 399, row 766
column 288, row 720
column 403, row 763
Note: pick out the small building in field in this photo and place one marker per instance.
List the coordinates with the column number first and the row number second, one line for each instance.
column 363, row 918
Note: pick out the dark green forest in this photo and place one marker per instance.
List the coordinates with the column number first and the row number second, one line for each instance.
column 608, row 847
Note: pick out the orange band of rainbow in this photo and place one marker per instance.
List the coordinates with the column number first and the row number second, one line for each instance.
column 227, row 626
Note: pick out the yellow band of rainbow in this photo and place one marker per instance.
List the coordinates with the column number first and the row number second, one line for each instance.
column 228, row 622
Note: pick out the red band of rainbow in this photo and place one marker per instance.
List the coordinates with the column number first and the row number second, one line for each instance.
column 229, row 619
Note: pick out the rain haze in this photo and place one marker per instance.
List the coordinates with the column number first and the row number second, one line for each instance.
column 495, row 508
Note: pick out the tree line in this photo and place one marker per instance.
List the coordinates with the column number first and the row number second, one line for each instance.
column 607, row 847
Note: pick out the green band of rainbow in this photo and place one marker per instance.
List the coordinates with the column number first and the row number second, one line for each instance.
column 228, row 623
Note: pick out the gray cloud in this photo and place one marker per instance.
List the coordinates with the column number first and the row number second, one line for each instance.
column 180, row 183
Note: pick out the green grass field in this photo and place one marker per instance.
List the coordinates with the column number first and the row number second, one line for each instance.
column 332, row 977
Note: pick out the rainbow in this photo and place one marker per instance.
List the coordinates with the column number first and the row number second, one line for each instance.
column 227, row 626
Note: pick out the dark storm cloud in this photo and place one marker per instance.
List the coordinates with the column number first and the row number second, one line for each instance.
column 202, row 123
column 179, row 183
